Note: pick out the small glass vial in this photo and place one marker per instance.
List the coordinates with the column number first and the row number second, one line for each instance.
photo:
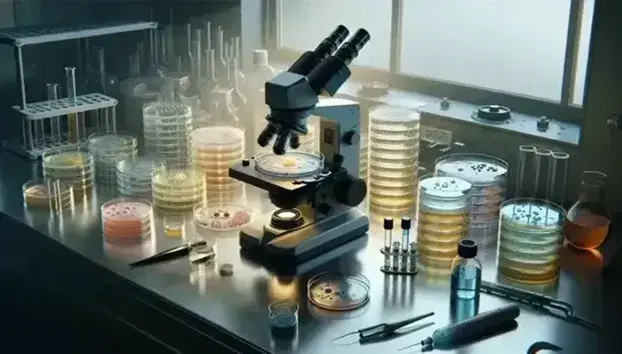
column 388, row 240
column 412, row 255
column 466, row 272
column 396, row 256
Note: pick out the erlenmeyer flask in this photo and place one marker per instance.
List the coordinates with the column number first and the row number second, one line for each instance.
column 587, row 223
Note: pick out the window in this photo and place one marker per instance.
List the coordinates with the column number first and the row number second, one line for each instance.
column 532, row 52
column 305, row 23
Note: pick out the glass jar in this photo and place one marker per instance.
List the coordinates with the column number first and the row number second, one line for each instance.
column 587, row 222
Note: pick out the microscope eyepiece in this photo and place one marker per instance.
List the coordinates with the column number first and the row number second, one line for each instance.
column 309, row 60
column 351, row 48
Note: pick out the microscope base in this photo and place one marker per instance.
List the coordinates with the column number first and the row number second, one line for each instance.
column 305, row 242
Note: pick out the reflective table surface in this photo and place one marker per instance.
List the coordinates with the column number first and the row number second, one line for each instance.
column 239, row 303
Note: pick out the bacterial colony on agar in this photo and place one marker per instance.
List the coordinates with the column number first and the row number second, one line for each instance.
column 443, row 220
column 531, row 235
column 294, row 164
column 338, row 292
column 214, row 151
column 488, row 177
column 126, row 220
column 71, row 165
column 393, row 162
column 106, row 149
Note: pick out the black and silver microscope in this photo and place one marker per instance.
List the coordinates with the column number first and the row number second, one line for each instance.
column 317, row 211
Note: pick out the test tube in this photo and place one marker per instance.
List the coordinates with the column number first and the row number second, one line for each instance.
column 163, row 49
column 197, row 53
column 412, row 265
column 396, row 256
column 72, row 118
column 405, row 233
column 388, row 233
column 52, row 96
column 558, row 176
column 542, row 162
column 207, row 42
column 188, row 37
column 220, row 50
column 526, row 155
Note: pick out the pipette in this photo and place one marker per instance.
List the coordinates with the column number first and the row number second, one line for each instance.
column 472, row 328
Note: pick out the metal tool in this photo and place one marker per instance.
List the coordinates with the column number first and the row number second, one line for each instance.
column 537, row 346
column 461, row 332
column 553, row 307
column 317, row 194
column 167, row 255
column 383, row 330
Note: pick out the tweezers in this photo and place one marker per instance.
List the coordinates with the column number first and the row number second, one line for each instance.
column 551, row 306
column 383, row 330
column 167, row 255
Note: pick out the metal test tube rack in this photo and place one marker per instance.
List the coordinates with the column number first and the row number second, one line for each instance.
column 40, row 111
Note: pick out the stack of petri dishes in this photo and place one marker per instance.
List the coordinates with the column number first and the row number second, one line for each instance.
column 393, row 162
column 364, row 157
column 530, row 240
column 48, row 194
column 71, row 165
column 126, row 220
column 106, row 149
column 134, row 175
column 167, row 127
column 488, row 176
column 177, row 190
column 442, row 219
column 214, row 150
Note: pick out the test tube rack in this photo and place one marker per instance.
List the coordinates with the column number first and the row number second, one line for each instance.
column 399, row 258
column 34, row 114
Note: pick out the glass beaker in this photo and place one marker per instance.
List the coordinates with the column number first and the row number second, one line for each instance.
column 587, row 223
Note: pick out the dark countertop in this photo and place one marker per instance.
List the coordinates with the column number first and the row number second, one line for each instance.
column 239, row 303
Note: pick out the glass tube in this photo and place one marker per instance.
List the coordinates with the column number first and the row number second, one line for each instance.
column 541, row 167
column 530, row 239
column 72, row 119
column 526, row 154
column 52, row 96
column 558, row 177
column 442, row 220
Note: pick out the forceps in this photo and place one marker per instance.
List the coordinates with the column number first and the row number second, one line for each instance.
column 383, row 330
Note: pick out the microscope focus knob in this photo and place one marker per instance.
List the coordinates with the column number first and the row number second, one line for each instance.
column 351, row 137
column 350, row 191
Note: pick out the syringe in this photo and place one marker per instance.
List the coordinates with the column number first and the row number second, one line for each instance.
column 462, row 332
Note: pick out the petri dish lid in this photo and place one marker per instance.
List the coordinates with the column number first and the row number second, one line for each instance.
column 126, row 209
column 73, row 159
column 338, row 292
column 111, row 141
column 223, row 217
column 532, row 215
column 217, row 136
column 478, row 169
column 292, row 164
column 393, row 114
column 440, row 187
column 166, row 110
column 176, row 178
column 138, row 167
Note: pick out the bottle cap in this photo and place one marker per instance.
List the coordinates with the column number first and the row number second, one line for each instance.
column 260, row 57
column 467, row 248
column 406, row 222
column 388, row 223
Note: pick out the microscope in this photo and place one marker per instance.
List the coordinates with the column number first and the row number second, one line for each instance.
column 316, row 195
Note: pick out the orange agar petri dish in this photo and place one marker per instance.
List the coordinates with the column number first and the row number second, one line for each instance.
column 125, row 219
column 48, row 194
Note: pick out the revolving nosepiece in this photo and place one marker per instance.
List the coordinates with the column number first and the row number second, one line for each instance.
column 350, row 50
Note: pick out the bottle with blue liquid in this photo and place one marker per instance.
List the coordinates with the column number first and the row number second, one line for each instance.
column 466, row 273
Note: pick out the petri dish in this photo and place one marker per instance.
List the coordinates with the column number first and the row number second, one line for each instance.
column 177, row 190
column 392, row 161
column 126, row 219
column 293, row 164
column 167, row 127
column 338, row 292
column 48, row 194
column 72, row 165
column 442, row 217
column 226, row 217
column 106, row 149
column 134, row 175
column 530, row 240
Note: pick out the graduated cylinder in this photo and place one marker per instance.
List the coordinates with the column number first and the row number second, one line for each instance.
column 443, row 219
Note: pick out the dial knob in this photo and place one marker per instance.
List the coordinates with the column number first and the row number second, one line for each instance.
column 351, row 137
column 350, row 191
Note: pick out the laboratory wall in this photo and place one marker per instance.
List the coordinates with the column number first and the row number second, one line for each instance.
column 44, row 63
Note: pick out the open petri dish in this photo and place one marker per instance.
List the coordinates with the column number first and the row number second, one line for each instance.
column 126, row 219
column 294, row 164
column 338, row 292
column 226, row 217
column 48, row 194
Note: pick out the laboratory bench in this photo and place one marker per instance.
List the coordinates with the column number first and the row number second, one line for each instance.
column 179, row 307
